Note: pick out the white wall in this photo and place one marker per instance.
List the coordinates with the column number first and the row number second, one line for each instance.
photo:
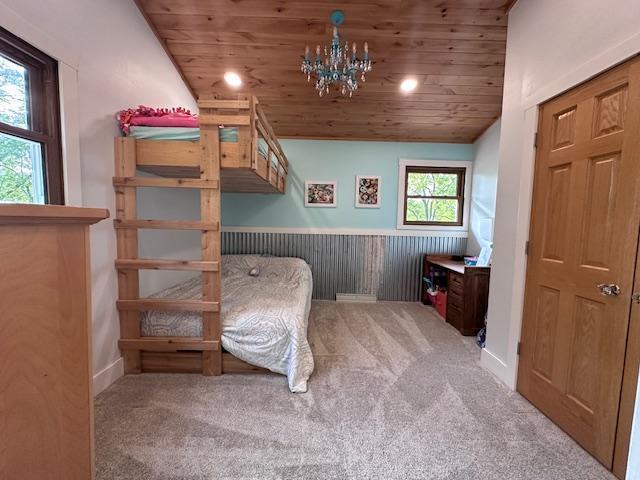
column 110, row 60
column 552, row 45
column 483, row 189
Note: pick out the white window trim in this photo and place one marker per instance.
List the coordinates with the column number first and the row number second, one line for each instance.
column 403, row 163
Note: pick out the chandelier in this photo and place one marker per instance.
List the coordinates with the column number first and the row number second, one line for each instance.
column 338, row 68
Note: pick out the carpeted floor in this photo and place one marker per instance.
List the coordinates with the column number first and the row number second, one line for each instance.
column 396, row 394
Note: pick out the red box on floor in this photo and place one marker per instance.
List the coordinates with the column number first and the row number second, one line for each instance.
column 441, row 303
column 432, row 298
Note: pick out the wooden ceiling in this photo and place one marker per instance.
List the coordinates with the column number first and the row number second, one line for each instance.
column 455, row 49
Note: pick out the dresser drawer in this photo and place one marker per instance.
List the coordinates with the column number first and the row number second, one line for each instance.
column 455, row 298
column 455, row 289
column 456, row 280
column 454, row 315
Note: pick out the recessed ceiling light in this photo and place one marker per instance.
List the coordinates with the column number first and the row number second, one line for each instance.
column 232, row 79
column 408, row 85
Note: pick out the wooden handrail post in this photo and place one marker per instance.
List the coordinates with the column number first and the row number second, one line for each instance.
column 127, row 249
column 211, row 249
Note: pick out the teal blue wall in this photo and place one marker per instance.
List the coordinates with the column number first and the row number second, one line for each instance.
column 340, row 161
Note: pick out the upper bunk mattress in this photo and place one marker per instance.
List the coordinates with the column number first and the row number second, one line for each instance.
column 264, row 318
column 228, row 134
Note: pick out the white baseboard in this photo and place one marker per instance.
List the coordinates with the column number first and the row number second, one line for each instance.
column 496, row 366
column 107, row 376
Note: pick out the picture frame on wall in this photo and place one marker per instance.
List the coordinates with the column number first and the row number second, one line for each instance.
column 319, row 193
column 368, row 190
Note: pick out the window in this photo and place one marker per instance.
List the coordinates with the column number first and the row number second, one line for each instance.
column 30, row 148
column 432, row 194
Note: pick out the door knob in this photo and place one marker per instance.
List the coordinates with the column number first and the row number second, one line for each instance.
column 609, row 289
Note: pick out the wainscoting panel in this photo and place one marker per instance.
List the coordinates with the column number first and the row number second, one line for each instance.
column 402, row 263
column 386, row 266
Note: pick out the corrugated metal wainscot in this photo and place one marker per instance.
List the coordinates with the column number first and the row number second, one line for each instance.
column 385, row 266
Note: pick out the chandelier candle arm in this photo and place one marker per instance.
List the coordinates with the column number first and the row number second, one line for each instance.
column 338, row 68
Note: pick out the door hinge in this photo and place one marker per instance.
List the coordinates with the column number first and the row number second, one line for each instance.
column 519, row 348
column 535, row 140
column 526, row 248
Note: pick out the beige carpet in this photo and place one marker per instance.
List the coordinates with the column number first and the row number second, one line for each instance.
column 396, row 394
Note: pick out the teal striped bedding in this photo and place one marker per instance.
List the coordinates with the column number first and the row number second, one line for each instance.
column 229, row 134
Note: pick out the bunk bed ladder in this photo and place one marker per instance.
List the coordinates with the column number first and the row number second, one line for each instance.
column 128, row 264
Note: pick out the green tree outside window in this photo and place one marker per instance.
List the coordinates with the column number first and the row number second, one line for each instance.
column 433, row 196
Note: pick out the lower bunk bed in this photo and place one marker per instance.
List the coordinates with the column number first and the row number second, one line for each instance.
column 264, row 319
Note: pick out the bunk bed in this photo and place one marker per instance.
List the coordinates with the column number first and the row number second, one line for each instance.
column 252, row 162
column 251, row 159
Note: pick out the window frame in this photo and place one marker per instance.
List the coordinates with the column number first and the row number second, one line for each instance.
column 458, row 171
column 462, row 168
column 43, row 110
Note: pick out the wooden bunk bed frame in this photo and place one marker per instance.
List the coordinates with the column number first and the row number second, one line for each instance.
column 210, row 166
column 244, row 168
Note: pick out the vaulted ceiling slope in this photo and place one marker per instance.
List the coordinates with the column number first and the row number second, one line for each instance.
column 455, row 49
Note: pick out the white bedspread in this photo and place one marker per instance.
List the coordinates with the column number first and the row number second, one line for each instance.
column 264, row 318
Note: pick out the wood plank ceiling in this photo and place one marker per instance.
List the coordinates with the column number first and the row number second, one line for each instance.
column 455, row 49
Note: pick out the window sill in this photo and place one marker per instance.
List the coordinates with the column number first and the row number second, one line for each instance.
column 437, row 230
column 444, row 228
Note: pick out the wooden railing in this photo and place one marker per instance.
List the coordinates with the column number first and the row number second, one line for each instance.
column 246, row 115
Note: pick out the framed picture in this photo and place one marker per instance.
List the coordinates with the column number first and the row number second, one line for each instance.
column 368, row 191
column 320, row 194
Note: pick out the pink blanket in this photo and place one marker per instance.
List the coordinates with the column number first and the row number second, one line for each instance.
column 156, row 117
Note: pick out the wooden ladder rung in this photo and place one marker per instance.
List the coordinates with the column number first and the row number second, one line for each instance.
column 167, row 305
column 165, row 182
column 167, row 264
column 166, row 224
column 168, row 344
